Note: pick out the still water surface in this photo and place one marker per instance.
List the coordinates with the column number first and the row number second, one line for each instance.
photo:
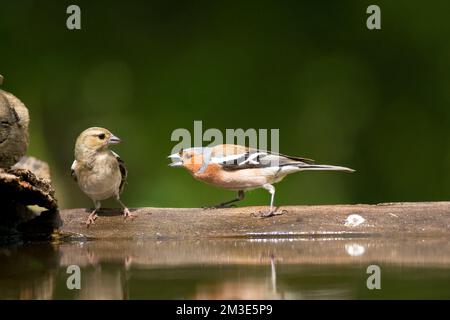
column 281, row 268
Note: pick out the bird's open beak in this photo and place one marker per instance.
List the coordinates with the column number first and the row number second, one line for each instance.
column 177, row 161
column 114, row 140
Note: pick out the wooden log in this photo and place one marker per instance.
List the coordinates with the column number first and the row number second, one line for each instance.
column 427, row 219
column 29, row 207
column 24, row 187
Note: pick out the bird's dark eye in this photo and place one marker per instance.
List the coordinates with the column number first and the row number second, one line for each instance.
column 101, row 136
column 189, row 155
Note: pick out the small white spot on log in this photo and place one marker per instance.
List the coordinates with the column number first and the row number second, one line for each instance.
column 354, row 249
column 354, row 220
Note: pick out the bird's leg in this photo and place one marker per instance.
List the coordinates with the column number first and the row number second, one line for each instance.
column 126, row 212
column 93, row 216
column 272, row 211
column 229, row 204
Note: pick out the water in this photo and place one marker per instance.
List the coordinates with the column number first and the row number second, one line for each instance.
column 248, row 268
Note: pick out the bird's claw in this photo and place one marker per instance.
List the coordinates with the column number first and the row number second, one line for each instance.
column 91, row 219
column 268, row 214
column 128, row 215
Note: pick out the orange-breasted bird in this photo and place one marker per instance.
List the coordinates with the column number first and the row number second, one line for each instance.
column 240, row 168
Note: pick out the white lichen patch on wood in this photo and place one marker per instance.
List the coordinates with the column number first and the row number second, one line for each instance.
column 354, row 220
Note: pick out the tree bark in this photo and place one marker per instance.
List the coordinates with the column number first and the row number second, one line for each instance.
column 28, row 205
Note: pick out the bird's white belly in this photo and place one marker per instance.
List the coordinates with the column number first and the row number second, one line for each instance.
column 248, row 179
column 102, row 183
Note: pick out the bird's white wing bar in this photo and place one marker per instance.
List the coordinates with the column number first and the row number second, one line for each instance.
column 72, row 170
column 74, row 164
column 115, row 154
column 246, row 159
column 251, row 158
column 227, row 159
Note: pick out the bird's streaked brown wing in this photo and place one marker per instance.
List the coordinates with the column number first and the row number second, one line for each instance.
column 123, row 172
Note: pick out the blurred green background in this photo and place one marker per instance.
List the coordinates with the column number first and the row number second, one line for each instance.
column 376, row 101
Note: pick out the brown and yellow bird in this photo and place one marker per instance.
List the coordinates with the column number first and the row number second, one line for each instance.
column 240, row 168
column 99, row 172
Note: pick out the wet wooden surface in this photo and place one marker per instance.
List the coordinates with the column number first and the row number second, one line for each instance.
column 424, row 219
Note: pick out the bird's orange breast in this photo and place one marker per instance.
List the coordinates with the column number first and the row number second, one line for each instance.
column 212, row 174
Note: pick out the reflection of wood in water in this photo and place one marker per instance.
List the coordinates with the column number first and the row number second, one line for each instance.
column 99, row 285
column 403, row 251
column 235, row 290
column 273, row 273
column 254, row 269
column 28, row 272
column 242, row 289
column 40, row 289
column 104, row 284
column 272, row 253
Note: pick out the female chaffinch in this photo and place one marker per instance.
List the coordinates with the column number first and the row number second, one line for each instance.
column 99, row 172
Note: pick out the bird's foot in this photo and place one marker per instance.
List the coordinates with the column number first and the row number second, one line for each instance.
column 128, row 215
column 91, row 219
column 268, row 214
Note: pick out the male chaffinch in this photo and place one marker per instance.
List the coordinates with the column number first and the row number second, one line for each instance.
column 99, row 172
column 240, row 168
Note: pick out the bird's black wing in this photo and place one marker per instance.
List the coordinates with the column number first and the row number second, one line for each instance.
column 123, row 172
column 260, row 159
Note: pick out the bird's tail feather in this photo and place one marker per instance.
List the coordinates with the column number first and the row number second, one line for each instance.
column 324, row 167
